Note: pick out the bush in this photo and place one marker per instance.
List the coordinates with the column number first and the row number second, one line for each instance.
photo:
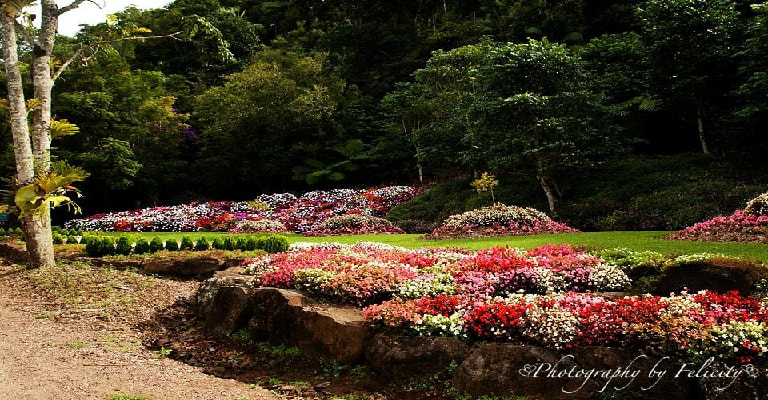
column 156, row 244
column 3, row 232
column 172, row 245
column 261, row 226
column 141, row 247
column 240, row 244
column 202, row 244
column 229, row 243
column 275, row 244
column 57, row 238
column 498, row 220
column 758, row 205
column 251, row 244
column 100, row 247
column 217, row 244
column 71, row 239
column 92, row 246
column 186, row 243
column 123, row 246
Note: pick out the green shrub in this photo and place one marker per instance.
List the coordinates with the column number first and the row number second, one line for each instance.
column 229, row 243
column 186, row 243
column 141, row 247
column 172, row 245
column 72, row 232
column 3, row 232
column 57, row 238
column 156, row 244
column 17, row 231
column 123, row 246
column 275, row 244
column 217, row 244
column 202, row 244
column 240, row 244
column 107, row 246
column 71, row 239
column 250, row 244
column 92, row 246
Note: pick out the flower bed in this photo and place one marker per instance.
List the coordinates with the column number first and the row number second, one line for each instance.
column 690, row 326
column 748, row 225
column 296, row 214
column 367, row 273
column 542, row 296
column 498, row 220
column 738, row 227
column 353, row 224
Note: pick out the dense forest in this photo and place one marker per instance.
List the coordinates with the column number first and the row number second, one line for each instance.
column 622, row 114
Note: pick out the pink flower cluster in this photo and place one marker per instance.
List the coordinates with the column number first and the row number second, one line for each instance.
column 368, row 274
column 738, row 227
column 354, row 224
column 300, row 214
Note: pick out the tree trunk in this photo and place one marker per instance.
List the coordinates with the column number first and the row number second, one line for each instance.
column 22, row 147
column 702, row 137
column 543, row 179
column 37, row 228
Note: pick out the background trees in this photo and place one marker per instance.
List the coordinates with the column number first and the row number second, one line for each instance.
column 254, row 96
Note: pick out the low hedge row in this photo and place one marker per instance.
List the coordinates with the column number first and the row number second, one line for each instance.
column 99, row 246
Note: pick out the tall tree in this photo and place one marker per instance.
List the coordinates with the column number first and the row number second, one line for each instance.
column 690, row 44
column 33, row 157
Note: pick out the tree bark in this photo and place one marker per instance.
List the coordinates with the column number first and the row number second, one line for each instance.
column 543, row 179
column 702, row 137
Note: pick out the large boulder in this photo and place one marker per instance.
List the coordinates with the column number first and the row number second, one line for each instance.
column 580, row 373
column 408, row 358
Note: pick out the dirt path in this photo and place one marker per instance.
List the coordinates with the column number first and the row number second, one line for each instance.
column 51, row 351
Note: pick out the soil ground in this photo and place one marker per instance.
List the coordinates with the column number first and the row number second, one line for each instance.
column 82, row 332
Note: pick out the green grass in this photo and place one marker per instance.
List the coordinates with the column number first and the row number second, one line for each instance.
column 633, row 240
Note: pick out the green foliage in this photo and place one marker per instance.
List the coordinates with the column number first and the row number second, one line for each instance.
column 186, row 243
column 57, row 238
column 172, row 245
column 275, row 244
column 217, row 244
column 141, row 247
column 70, row 239
column 202, row 244
column 99, row 246
column 156, row 244
column 228, row 243
column 240, row 243
column 123, row 246
column 251, row 244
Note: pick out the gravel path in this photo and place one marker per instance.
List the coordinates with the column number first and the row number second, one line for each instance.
column 45, row 356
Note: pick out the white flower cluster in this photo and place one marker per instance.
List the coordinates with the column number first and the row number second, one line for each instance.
column 732, row 336
column 758, row 205
column 609, row 277
column 376, row 246
column 353, row 221
column 303, row 246
column 261, row 225
column 694, row 258
column 497, row 214
column 551, row 326
column 427, row 285
column 259, row 266
column 311, row 279
column 440, row 325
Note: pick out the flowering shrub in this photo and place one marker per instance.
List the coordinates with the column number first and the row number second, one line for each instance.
column 260, row 225
column 758, row 205
column 297, row 214
column 353, row 224
column 498, row 220
column 738, row 227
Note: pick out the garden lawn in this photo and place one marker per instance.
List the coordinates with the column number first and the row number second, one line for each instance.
column 632, row 240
